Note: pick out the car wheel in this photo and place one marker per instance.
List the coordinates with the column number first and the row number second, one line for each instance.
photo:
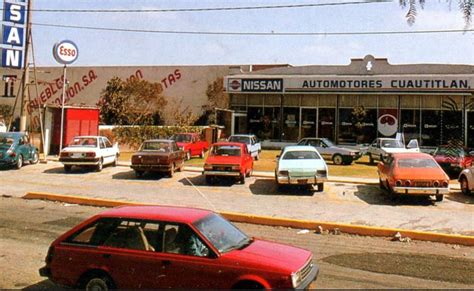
column 67, row 168
column 171, row 171
column 19, row 162
column 139, row 174
column 250, row 172
column 99, row 166
column 465, row 186
column 35, row 158
column 337, row 159
column 114, row 164
column 99, row 283
column 381, row 158
column 439, row 198
column 188, row 155
column 320, row 187
column 242, row 179
column 381, row 185
column 201, row 155
column 371, row 160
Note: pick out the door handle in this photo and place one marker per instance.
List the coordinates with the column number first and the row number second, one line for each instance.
column 166, row 263
column 107, row 256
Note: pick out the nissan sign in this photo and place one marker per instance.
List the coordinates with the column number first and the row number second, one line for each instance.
column 255, row 85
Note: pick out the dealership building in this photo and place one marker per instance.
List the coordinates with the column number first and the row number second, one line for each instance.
column 352, row 103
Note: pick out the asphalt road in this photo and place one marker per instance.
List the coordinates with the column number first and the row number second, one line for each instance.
column 340, row 202
column 27, row 227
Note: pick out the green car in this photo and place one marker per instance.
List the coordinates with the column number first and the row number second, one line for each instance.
column 15, row 149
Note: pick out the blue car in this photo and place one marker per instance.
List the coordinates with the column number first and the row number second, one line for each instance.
column 16, row 149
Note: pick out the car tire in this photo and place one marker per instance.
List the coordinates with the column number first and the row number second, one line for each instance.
column 188, row 155
column 99, row 166
column 114, row 164
column 67, row 168
column 242, row 179
column 465, row 186
column 35, row 158
column 99, row 283
column 320, row 187
column 201, row 155
column 250, row 172
column 171, row 171
column 439, row 197
column 381, row 185
column 19, row 162
column 337, row 159
column 381, row 158
column 371, row 160
column 139, row 174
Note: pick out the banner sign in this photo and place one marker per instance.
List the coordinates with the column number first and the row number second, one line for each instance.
column 13, row 33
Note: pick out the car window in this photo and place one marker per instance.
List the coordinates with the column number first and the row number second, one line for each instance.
column 227, row 150
column 392, row 144
column 181, row 239
column 175, row 147
column 417, row 163
column 314, row 143
column 156, row 146
column 83, row 142
column 102, row 144
column 300, row 155
column 107, row 143
column 181, row 137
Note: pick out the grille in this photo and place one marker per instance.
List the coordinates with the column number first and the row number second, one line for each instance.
column 306, row 270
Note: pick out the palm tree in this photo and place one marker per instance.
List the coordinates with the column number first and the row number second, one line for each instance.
column 464, row 5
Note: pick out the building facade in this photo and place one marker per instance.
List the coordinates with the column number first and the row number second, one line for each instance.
column 357, row 103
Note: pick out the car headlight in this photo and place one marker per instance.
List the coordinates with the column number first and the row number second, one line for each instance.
column 295, row 279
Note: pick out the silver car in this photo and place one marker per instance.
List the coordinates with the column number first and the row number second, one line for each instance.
column 329, row 151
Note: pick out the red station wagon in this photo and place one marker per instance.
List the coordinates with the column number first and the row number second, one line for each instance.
column 228, row 159
column 172, row 247
column 191, row 144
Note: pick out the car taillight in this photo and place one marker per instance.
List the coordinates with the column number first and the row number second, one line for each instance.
column 207, row 167
column 445, row 183
column 398, row 183
column 49, row 256
column 321, row 173
column 90, row 155
column 64, row 155
column 436, row 183
column 12, row 154
column 407, row 183
column 283, row 173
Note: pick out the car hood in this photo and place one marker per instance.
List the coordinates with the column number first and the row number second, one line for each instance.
column 271, row 254
column 302, row 165
column 420, row 174
column 223, row 160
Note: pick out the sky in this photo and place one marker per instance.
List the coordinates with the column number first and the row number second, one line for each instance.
column 114, row 48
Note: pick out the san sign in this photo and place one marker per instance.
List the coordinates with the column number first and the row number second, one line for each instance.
column 65, row 52
column 13, row 33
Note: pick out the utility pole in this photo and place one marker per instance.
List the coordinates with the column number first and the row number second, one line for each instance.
column 26, row 73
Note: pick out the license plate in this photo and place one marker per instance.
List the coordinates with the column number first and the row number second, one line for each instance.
column 77, row 155
column 302, row 181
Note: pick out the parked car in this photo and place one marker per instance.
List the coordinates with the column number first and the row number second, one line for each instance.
column 3, row 127
column 466, row 180
column 191, row 144
column 90, row 151
column 413, row 174
column 158, row 247
column 380, row 147
column 301, row 165
column 228, row 159
column 453, row 159
column 329, row 151
column 16, row 149
column 253, row 145
column 158, row 155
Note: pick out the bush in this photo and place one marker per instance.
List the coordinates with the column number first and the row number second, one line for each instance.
column 134, row 136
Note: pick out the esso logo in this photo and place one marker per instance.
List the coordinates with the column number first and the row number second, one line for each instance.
column 65, row 52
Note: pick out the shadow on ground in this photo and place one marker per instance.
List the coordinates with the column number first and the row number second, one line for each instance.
column 375, row 196
column 130, row 175
column 269, row 187
column 461, row 198
column 43, row 285
column 201, row 181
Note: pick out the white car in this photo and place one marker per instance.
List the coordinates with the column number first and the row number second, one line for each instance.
column 3, row 127
column 466, row 180
column 95, row 151
column 253, row 145
column 301, row 165
column 380, row 147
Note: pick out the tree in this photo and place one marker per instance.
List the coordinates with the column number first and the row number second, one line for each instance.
column 178, row 115
column 131, row 102
column 465, row 6
column 216, row 98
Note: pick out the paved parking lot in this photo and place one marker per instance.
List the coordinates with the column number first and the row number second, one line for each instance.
column 340, row 202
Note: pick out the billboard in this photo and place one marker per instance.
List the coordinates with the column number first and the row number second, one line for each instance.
column 13, row 33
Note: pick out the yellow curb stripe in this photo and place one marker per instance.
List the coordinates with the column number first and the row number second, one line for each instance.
column 275, row 221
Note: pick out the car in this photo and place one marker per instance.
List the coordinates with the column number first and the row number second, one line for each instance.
column 253, row 145
column 228, row 159
column 380, row 147
column 191, row 144
column 158, row 155
column 16, row 149
column 453, row 159
column 3, row 127
column 328, row 150
column 301, row 165
column 413, row 174
column 158, row 247
column 466, row 180
column 89, row 151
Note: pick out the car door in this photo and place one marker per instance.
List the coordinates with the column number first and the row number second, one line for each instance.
column 24, row 147
column 374, row 149
column 324, row 150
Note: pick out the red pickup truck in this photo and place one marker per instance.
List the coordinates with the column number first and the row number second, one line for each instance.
column 191, row 144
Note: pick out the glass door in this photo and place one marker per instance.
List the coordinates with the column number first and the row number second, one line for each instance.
column 239, row 123
column 309, row 118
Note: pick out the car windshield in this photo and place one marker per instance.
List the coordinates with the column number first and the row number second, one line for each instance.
column 156, row 146
column 221, row 233
column 241, row 139
column 225, row 150
column 328, row 142
column 6, row 140
column 417, row 163
column 84, row 142
column 301, row 155
column 392, row 144
column 181, row 138
column 450, row 151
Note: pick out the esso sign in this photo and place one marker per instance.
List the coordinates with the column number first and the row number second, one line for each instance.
column 65, row 52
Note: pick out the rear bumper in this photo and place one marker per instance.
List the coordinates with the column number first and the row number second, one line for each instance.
column 222, row 173
column 300, row 180
column 79, row 162
column 420, row 190
column 153, row 168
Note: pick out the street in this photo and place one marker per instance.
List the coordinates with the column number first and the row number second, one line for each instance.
column 24, row 243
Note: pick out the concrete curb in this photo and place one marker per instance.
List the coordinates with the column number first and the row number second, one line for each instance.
column 274, row 221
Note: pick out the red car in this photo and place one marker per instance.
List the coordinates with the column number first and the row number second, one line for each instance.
column 454, row 159
column 191, row 144
column 228, row 159
column 413, row 174
column 158, row 247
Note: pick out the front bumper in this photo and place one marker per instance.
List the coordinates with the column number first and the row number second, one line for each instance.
column 79, row 161
column 222, row 173
column 420, row 190
column 309, row 279
column 300, row 180
column 153, row 168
